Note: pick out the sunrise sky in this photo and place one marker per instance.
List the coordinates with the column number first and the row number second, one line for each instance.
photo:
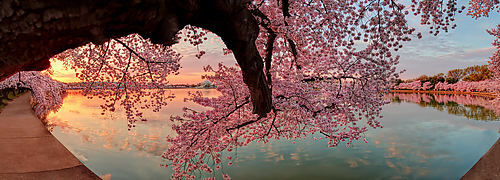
column 467, row 45
column 192, row 67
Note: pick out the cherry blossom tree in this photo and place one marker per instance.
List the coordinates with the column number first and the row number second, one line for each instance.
column 327, row 64
column 47, row 94
column 426, row 86
column 130, row 71
column 479, row 9
column 481, row 86
column 305, row 67
column 487, row 86
column 495, row 59
column 441, row 86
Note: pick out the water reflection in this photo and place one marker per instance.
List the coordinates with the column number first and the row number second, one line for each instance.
column 80, row 126
column 415, row 143
column 470, row 106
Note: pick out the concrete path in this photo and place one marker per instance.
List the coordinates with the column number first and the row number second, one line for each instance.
column 488, row 167
column 29, row 151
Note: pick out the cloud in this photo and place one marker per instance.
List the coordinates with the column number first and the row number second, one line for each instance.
column 213, row 44
column 467, row 45
column 432, row 55
column 192, row 67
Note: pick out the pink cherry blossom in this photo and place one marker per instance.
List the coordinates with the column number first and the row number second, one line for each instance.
column 47, row 94
column 327, row 63
column 125, row 71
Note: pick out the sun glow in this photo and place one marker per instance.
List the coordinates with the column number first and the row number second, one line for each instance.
column 63, row 74
column 191, row 70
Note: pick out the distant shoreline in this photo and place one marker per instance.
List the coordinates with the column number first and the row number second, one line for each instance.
column 81, row 88
column 491, row 95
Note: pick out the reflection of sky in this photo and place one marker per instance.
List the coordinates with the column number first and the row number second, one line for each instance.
column 415, row 143
column 103, row 142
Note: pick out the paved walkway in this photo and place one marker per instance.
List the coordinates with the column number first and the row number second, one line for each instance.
column 488, row 167
column 29, row 151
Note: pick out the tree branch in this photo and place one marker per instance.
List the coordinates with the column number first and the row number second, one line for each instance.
column 285, row 9
column 270, row 41
column 135, row 53
column 244, row 124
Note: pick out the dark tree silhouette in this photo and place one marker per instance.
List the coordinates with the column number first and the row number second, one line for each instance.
column 32, row 31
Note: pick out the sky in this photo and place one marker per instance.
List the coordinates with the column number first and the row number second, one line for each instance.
column 469, row 44
column 191, row 67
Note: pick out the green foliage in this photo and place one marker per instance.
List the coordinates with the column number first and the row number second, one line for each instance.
column 398, row 81
column 477, row 73
column 455, row 74
column 7, row 95
column 474, row 73
column 11, row 95
column 450, row 80
column 433, row 79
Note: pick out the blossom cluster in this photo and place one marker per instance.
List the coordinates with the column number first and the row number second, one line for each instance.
column 415, row 85
column 130, row 71
column 47, row 94
column 489, row 86
column 327, row 63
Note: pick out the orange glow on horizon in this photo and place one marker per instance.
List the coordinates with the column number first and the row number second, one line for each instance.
column 192, row 67
column 61, row 73
column 68, row 75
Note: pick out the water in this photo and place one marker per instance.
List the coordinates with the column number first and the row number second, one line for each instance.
column 420, row 140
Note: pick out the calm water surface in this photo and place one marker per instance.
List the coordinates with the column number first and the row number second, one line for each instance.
column 423, row 137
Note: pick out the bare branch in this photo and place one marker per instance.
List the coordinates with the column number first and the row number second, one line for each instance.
column 244, row 124
column 135, row 53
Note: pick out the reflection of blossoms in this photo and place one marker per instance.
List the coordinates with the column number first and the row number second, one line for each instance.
column 470, row 106
column 329, row 107
column 46, row 92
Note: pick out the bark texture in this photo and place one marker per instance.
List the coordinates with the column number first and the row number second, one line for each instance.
column 32, row 31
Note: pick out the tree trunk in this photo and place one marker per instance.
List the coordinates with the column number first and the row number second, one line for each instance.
column 32, row 31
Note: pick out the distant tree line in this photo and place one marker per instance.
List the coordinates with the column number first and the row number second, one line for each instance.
column 474, row 73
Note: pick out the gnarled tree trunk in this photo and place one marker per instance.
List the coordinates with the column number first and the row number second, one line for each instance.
column 32, row 31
